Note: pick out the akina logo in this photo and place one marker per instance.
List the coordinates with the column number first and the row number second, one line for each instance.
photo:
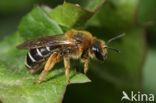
column 137, row 96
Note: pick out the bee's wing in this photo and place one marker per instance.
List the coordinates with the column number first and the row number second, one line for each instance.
column 46, row 41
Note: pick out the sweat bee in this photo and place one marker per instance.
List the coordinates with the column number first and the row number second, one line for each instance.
column 47, row 51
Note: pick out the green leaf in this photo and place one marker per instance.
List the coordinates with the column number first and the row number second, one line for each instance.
column 19, row 86
column 38, row 23
column 70, row 15
column 89, row 5
column 16, row 83
column 73, row 16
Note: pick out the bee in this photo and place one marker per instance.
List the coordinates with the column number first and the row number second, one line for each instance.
column 49, row 50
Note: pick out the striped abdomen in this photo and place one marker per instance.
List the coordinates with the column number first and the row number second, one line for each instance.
column 36, row 58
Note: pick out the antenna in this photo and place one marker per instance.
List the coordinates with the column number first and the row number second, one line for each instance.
column 116, row 37
column 116, row 50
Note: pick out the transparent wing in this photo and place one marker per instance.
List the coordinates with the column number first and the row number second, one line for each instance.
column 38, row 42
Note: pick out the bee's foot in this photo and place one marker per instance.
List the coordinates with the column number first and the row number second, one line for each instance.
column 85, row 73
column 37, row 82
column 68, row 81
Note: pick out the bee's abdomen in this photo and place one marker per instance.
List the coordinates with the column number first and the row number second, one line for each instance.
column 36, row 57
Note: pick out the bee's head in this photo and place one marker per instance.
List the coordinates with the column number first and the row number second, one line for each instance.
column 98, row 49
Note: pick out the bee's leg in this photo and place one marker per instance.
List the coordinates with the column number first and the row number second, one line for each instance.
column 48, row 66
column 86, row 64
column 67, row 67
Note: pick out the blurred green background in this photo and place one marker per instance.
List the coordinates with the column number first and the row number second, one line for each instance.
column 11, row 13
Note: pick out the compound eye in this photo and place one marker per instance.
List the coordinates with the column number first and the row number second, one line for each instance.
column 99, row 55
column 96, row 49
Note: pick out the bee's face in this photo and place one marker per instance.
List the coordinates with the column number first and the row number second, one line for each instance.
column 98, row 50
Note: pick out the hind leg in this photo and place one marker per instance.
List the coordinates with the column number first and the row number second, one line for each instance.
column 55, row 57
